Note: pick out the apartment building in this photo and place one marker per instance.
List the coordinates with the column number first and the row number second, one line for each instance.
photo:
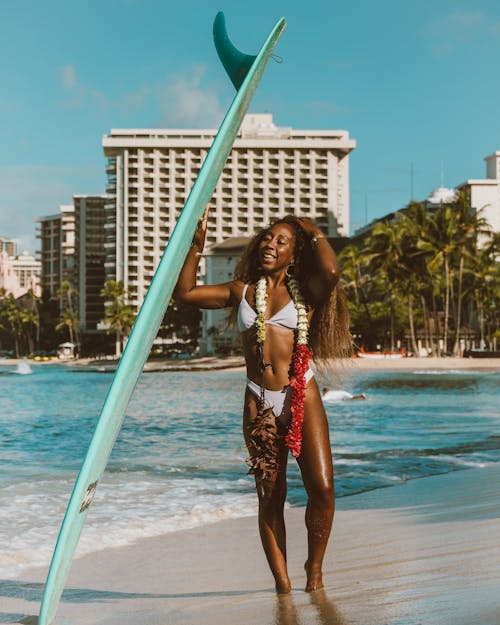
column 89, row 259
column 72, row 249
column 49, row 234
column 57, row 249
column 272, row 171
column 9, row 246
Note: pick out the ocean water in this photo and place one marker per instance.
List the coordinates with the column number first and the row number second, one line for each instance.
column 179, row 458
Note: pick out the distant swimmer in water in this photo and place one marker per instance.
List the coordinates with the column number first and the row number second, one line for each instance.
column 331, row 396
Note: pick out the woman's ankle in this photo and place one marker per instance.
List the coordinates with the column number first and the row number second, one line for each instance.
column 314, row 576
column 283, row 586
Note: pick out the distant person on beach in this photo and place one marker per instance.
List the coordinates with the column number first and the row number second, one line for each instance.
column 340, row 395
column 286, row 301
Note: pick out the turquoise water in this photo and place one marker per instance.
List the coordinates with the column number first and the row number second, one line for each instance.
column 179, row 459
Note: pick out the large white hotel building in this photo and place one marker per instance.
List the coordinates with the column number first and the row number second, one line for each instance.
column 271, row 171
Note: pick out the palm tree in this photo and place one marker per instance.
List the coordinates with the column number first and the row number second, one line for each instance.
column 471, row 227
column 385, row 252
column 415, row 280
column 66, row 320
column 11, row 318
column 34, row 302
column 438, row 242
column 30, row 321
column 69, row 315
column 353, row 271
column 118, row 315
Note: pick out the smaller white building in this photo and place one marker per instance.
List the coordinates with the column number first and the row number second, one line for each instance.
column 19, row 274
column 485, row 194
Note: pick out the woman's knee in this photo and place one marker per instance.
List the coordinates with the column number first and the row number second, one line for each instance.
column 272, row 496
column 271, row 509
column 322, row 492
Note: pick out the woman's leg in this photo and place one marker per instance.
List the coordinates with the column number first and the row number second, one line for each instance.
column 272, row 495
column 315, row 462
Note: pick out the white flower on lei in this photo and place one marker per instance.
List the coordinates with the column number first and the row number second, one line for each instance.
column 298, row 300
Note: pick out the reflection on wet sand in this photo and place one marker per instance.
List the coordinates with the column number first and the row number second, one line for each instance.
column 327, row 613
column 286, row 613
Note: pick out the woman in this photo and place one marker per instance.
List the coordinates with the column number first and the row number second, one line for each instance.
column 285, row 298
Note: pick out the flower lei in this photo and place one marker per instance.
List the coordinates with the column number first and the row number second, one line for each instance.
column 300, row 360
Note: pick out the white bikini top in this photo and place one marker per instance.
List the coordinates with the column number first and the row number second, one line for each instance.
column 287, row 317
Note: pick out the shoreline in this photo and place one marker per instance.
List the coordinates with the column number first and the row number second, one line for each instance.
column 427, row 547
column 213, row 363
column 205, row 363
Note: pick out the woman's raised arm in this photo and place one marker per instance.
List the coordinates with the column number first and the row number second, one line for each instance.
column 327, row 273
column 187, row 291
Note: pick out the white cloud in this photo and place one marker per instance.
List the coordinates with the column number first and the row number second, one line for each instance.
column 68, row 76
column 495, row 28
column 182, row 99
column 457, row 29
column 79, row 94
column 465, row 20
column 186, row 101
column 8, row 107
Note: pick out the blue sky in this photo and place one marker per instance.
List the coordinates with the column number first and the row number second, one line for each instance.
column 415, row 84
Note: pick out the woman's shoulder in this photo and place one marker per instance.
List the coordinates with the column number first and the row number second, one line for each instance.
column 237, row 290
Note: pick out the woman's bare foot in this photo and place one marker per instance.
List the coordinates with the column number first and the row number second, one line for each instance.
column 314, row 578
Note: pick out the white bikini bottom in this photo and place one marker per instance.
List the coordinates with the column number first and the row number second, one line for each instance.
column 279, row 401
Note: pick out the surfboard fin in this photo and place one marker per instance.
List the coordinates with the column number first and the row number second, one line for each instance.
column 236, row 63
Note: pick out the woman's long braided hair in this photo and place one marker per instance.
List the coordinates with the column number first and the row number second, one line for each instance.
column 329, row 335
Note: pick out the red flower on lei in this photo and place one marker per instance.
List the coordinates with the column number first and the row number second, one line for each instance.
column 300, row 365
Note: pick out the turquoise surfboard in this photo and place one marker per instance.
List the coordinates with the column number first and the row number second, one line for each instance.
column 245, row 72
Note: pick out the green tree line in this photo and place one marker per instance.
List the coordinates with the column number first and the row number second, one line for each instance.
column 31, row 325
column 428, row 277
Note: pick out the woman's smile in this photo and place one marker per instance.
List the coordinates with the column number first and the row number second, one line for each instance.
column 277, row 246
column 268, row 255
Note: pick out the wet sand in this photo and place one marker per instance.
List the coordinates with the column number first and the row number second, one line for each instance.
column 424, row 552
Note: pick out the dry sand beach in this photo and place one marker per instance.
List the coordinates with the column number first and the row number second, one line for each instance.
column 426, row 363
column 237, row 362
column 426, row 552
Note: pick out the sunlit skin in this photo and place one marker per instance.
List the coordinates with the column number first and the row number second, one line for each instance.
column 276, row 254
